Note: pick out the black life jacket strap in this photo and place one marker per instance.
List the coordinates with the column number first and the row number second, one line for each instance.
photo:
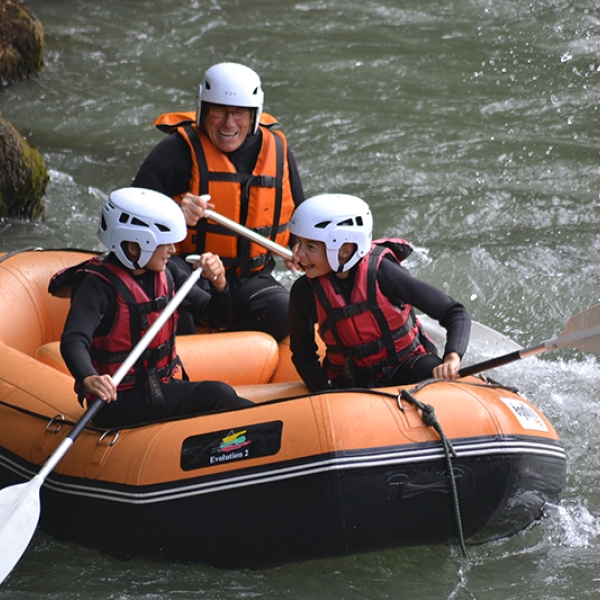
column 384, row 327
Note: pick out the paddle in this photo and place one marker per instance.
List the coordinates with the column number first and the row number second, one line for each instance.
column 248, row 233
column 481, row 332
column 582, row 332
column 20, row 504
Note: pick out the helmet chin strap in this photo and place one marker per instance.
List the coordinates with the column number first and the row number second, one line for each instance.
column 343, row 262
column 132, row 256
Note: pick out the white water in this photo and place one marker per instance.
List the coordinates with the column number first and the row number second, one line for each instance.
column 472, row 129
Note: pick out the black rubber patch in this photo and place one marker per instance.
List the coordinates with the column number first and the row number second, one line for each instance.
column 231, row 445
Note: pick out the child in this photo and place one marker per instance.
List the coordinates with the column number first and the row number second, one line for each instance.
column 118, row 296
column 363, row 301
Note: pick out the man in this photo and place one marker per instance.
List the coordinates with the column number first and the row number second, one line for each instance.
column 229, row 151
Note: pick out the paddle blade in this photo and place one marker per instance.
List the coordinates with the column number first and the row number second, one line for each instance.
column 583, row 331
column 19, row 516
column 483, row 338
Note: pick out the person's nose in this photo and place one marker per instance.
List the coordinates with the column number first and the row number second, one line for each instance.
column 230, row 119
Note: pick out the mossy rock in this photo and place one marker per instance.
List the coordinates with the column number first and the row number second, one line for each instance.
column 23, row 176
column 21, row 42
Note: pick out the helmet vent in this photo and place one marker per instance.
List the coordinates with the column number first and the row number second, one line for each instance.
column 322, row 225
column 347, row 222
column 136, row 221
column 123, row 218
column 162, row 228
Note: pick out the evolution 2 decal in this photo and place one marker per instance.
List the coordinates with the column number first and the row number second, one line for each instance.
column 231, row 445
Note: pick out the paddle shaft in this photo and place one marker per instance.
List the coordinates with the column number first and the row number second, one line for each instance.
column 581, row 332
column 121, row 372
column 287, row 254
column 20, row 504
column 500, row 361
column 248, row 233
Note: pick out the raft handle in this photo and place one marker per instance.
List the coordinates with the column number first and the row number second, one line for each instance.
column 114, row 440
column 55, row 420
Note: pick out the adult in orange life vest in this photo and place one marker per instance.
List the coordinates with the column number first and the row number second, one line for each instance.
column 116, row 298
column 363, row 301
column 229, row 150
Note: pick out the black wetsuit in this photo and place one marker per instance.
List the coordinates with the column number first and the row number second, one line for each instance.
column 401, row 288
column 92, row 314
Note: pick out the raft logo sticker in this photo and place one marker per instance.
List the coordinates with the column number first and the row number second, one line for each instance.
column 231, row 445
column 527, row 416
column 234, row 441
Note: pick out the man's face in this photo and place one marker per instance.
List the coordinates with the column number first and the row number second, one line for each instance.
column 227, row 126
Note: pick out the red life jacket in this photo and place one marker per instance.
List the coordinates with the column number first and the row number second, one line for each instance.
column 370, row 332
column 134, row 315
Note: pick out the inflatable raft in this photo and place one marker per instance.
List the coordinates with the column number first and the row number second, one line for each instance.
column 298, row 476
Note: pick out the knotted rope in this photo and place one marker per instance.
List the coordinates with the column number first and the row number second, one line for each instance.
column 430, row 419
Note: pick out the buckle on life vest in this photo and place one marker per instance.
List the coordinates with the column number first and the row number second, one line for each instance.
column 253, row 263
column 268, row 231
column 263, row 181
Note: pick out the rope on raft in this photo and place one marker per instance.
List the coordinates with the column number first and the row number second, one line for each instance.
column 429, row 418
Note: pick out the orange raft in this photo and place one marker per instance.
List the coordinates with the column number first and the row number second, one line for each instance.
column 298, row 476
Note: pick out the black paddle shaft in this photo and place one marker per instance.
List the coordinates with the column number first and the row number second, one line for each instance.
column 492, row 363
column 86, row 418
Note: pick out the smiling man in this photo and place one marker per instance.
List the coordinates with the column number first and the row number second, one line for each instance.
column 231, row 151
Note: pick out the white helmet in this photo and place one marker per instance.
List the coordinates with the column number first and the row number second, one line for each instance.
column 231, row 84
column 335, row 219
column 142, row 216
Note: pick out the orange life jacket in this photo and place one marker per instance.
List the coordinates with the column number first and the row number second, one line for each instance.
column 261, row 200
column 167, row 122
column 369, row 332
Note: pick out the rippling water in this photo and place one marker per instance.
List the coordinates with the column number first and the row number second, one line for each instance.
column 472, row 129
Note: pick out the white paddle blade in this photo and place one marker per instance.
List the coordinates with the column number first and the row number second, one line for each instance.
column 582, row 331
column 19, row 516
column 484, row 340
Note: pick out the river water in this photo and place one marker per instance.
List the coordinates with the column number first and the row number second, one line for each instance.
column 472, row 129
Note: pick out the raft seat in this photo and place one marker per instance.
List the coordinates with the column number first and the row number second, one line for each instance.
column 37, row 320
column 49, row 354
column 244, row 358
column 237, row 358
column 35, row 317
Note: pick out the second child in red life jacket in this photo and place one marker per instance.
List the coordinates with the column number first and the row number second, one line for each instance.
column 117, row 297
column 364, row 302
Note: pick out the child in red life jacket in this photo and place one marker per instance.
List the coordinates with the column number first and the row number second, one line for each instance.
column 363, row 301
column 117, row 297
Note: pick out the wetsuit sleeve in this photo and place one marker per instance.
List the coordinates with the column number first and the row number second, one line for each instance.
column 302, row 319
column 402, row 288
column 92, row 309
column 167, row 169
column 213, row 309
column 297, row 189
column 295, row 181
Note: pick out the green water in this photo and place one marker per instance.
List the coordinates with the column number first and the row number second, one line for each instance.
column 472, row 129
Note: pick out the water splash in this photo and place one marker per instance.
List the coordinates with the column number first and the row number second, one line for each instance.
column 574, row 526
